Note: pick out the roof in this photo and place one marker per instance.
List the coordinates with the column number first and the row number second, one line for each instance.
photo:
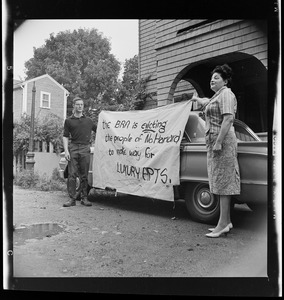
column 19, row 83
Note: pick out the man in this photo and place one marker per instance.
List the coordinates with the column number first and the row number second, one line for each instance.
column 78, row 128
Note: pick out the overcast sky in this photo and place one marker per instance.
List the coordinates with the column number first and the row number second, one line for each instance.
column 123, row 36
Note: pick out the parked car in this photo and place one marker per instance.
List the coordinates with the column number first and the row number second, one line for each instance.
column 194, row 188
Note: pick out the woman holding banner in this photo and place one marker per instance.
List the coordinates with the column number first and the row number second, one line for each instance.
column 221, row 143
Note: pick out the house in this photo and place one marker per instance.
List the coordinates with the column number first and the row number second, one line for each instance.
column 50, row 97
column 177, row 57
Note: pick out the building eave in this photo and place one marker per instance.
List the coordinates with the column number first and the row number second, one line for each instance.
column 48, row 76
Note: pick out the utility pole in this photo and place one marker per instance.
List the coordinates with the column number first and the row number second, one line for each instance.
column 30, row 155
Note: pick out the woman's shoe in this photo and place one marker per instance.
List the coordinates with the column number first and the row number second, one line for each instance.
column 230, row 226
column 217, row 234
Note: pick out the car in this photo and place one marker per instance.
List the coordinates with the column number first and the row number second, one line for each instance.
column 202, row 205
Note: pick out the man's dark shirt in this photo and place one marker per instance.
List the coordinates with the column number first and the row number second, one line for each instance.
column 79, row 129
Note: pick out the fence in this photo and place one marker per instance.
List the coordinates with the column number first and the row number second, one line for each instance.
column 46, row 160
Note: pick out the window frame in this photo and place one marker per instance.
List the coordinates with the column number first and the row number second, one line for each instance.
column 44, row 101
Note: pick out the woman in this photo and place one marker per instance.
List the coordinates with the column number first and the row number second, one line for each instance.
column 221, row 143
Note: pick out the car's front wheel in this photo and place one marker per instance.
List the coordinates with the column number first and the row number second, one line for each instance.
column 200, row 203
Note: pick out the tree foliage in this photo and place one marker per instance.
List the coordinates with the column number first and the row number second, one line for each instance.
column 130, row 75
column 126, row 90
column 81, row 61
column 132, row 92
column 21, row 134
column 49, row 130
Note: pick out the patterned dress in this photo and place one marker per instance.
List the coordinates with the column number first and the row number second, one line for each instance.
column 223, row 167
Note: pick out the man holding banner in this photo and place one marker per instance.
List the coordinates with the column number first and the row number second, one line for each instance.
column 138, row 152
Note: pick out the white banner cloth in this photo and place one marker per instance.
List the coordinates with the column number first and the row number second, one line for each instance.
column 138, row 152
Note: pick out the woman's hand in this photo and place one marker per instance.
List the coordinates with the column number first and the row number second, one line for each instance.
column 228, row 120
column 217, row 147
column 199, row 100
column 194, row 97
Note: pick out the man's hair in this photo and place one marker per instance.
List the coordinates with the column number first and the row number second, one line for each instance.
column 76, row 99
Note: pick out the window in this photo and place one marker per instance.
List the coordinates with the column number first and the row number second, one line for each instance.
column 44, row 100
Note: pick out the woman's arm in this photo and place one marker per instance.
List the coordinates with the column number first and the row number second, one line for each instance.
column 199, row 100
column 228, row 120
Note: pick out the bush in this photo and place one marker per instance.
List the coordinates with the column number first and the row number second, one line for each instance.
column 56, row 176
column 28, row 179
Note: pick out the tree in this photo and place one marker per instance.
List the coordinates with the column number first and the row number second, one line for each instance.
column 81, row 61
column 126, row 89
column 21, row 134
column 132, row 90
column 49, row 129
column 130, row 74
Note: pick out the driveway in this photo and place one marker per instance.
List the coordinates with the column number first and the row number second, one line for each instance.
column 130, row 237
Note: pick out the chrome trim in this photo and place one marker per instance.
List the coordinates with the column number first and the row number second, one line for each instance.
column 247, row 182
column 245, row 126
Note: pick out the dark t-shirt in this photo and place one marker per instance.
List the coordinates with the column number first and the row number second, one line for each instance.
column 79, row 129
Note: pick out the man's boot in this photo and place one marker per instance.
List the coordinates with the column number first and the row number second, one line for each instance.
column 85, row 202
column 69, row 203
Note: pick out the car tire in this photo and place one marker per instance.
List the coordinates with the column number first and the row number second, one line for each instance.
column 202, row 205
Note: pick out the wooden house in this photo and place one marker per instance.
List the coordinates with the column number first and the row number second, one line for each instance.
column 50, row 97
column 177, row 57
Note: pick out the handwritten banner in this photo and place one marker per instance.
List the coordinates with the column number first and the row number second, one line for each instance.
column 138, row 152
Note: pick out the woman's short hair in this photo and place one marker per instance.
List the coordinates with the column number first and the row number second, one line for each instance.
column 225, row 72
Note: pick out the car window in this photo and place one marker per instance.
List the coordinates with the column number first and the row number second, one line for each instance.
column 195, row 132
column 194, row 129
column 244, row 133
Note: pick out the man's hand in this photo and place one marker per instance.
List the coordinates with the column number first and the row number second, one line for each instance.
column 67, row 155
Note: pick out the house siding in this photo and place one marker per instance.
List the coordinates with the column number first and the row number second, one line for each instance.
column 147, row 59
column 17, row 103
column 56, row 102
column 22, row 97
column 164, row 53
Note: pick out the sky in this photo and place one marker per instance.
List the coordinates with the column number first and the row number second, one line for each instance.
column 123, row 36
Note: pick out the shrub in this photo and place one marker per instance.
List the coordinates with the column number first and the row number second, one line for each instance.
column 56, row 175
column 28, row 179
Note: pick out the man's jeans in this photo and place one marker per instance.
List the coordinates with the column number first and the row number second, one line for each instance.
column 78, row 166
